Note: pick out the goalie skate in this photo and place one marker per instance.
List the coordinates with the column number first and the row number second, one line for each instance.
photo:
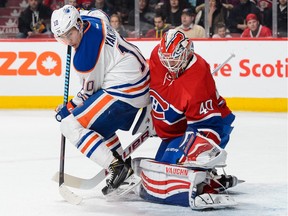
column 126, row 187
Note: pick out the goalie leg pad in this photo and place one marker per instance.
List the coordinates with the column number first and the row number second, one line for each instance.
column 163, row 183
column 178, row 185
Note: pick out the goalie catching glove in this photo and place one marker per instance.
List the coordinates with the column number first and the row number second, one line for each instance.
column 199, row 151
column 193, row 150
column 64, row 110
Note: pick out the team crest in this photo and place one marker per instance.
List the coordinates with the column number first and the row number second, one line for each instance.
column 161, row 109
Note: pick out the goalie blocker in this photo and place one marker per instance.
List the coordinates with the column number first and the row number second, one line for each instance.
column 194, row 183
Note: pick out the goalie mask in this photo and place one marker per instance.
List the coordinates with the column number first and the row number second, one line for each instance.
column 175, row 51
column 63, row 20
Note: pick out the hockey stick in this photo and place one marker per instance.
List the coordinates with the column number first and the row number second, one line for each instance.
column 221, row 65
column 66, row 95
column 76, row 182
column 63, row 190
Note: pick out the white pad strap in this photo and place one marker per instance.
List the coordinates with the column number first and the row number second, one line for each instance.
column 171, row 170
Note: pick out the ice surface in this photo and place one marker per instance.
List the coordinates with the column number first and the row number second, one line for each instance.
column 29, row 157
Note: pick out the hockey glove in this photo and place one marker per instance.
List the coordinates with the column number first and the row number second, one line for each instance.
column 64, row 110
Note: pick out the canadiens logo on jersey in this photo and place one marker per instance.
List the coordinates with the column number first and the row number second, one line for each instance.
column 162, row 111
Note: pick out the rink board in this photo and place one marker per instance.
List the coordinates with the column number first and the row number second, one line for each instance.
column 32, row 72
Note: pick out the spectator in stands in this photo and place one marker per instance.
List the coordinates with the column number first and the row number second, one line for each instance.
column 72, row 2
column 281, row 18
column 188, row 27
column 53, row 4
column 3, row 3
column 123, row 7
column 116, row 23
column 104, row 6
column 33, row 19
column 265, row 7
column 236, row 20
column 173, row 10
column 86, row 4
column 146, row 17
column 254, row 28
column 154, row 5
column 230, row 4
column 221, row 31
column 195, row 3
column 262, row 4
column 217, row 13
column 160, row 27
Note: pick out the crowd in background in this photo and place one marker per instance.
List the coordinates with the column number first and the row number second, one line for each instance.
column 225, row 18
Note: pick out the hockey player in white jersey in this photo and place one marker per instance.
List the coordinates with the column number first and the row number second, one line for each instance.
column 115, row 85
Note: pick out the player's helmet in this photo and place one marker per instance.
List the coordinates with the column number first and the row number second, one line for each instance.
column 174, row 51
column 64, row 19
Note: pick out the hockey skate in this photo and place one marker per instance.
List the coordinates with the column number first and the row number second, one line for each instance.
column 121, row 180
column 221, row 183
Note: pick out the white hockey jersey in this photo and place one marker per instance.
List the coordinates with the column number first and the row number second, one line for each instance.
column 106, row 60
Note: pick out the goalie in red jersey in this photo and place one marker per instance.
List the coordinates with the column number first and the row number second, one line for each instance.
column 194, row 123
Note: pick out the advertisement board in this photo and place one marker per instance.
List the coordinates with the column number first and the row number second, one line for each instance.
column 34, row 70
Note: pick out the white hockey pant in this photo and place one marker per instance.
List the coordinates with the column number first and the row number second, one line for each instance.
column 89, row 142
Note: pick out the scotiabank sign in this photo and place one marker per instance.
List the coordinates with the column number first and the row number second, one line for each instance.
column 259, row 69
column 248, row 68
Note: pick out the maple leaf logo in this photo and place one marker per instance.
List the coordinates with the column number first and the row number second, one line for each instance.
column 49, row 63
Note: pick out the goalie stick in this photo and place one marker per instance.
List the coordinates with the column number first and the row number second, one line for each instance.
column 221, row 65
column 81, row 183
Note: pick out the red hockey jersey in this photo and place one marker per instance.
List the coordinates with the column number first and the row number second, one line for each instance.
column 263, row 31
column 188, row 101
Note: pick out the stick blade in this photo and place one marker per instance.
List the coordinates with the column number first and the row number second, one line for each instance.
column 69, row 196
column 81, row 183
column 69, row 180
